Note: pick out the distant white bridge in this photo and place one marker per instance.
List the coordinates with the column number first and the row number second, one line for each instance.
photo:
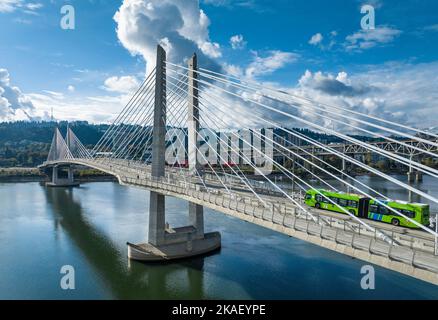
column 166, row 140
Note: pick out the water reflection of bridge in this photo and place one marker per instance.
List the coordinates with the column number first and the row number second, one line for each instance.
column 126, row 281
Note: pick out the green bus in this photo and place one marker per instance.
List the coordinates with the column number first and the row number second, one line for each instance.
column 364, row 207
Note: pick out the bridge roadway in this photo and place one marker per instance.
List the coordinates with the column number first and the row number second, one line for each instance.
column 411, row 252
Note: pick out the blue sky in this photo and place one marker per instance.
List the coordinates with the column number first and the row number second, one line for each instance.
column 89, row 72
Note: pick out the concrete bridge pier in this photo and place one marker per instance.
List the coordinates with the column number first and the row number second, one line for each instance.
column 416, row 176
column 411, row 176
column 56, row 181
column 166, row 243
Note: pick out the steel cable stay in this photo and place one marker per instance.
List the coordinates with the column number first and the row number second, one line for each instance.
column 289, row 174
column 237, row 175
column 116, row 128
column 138, row 115
column 312, row 106
column 197, row 149
column 199, row 152
column 182, row 115
column 378, row 201
column 122, row 113
column 274, row 185
column 209, row 73
column 114, row 137
column 361, row 191
column 407, row 162
column 389, row 178
column 131, row 138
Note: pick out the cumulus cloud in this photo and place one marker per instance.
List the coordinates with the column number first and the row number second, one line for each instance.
column 124, row 84
column 99, row 108
column 181, row 27
column 316, row 39
column 404, row 93
column 432, row 27
column 13, row 103
column 366, row 39
column 237, row 42
column 334, row 86
column 7, row 6
column 71, row 88
column 269, row 63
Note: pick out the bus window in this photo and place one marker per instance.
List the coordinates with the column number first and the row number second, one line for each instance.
column 318, row 197
column 342, row 202
column 383, row 210
column 335, row 200
column 374, row 208
column 408, row 213
column 308, row 196
column 352, row 203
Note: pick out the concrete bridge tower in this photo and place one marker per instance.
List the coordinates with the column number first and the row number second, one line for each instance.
column 165, row 243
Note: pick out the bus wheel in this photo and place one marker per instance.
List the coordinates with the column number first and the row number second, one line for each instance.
column 395, row 222
column 352, row 212
column 317, row 205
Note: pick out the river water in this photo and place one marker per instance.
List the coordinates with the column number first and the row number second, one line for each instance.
column 43, row 229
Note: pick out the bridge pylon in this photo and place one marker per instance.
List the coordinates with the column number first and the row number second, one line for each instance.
column 59, row 149
column 164, row 242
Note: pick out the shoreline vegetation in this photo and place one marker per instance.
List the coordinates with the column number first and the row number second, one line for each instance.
column 32, row 174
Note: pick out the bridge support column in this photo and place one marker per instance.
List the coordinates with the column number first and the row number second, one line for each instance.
column 55, row 175
column 411, row 176
column 56, row 181
column 70, row 176
column 419, row 176
column 165, row 243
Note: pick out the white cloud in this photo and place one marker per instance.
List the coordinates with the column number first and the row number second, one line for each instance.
column 273, row 61
column 98, row 108
column 377, row 4
column 124, row 84
column 181, row 25
column 403, row 93
column 233, row 70
column 7, row 6
column 71, row 88
column 13, row 102
column 237, row 42
column 365, row 39
column 433, row 27
column 316, row 39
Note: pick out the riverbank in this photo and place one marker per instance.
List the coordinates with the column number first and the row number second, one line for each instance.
column 20, row 174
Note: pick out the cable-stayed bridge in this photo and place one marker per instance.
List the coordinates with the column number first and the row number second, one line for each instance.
column 213, row 140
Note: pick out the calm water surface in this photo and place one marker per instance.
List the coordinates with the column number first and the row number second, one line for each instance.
column 42, row 229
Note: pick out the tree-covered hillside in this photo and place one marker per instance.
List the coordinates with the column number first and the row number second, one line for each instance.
column 26, row 144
